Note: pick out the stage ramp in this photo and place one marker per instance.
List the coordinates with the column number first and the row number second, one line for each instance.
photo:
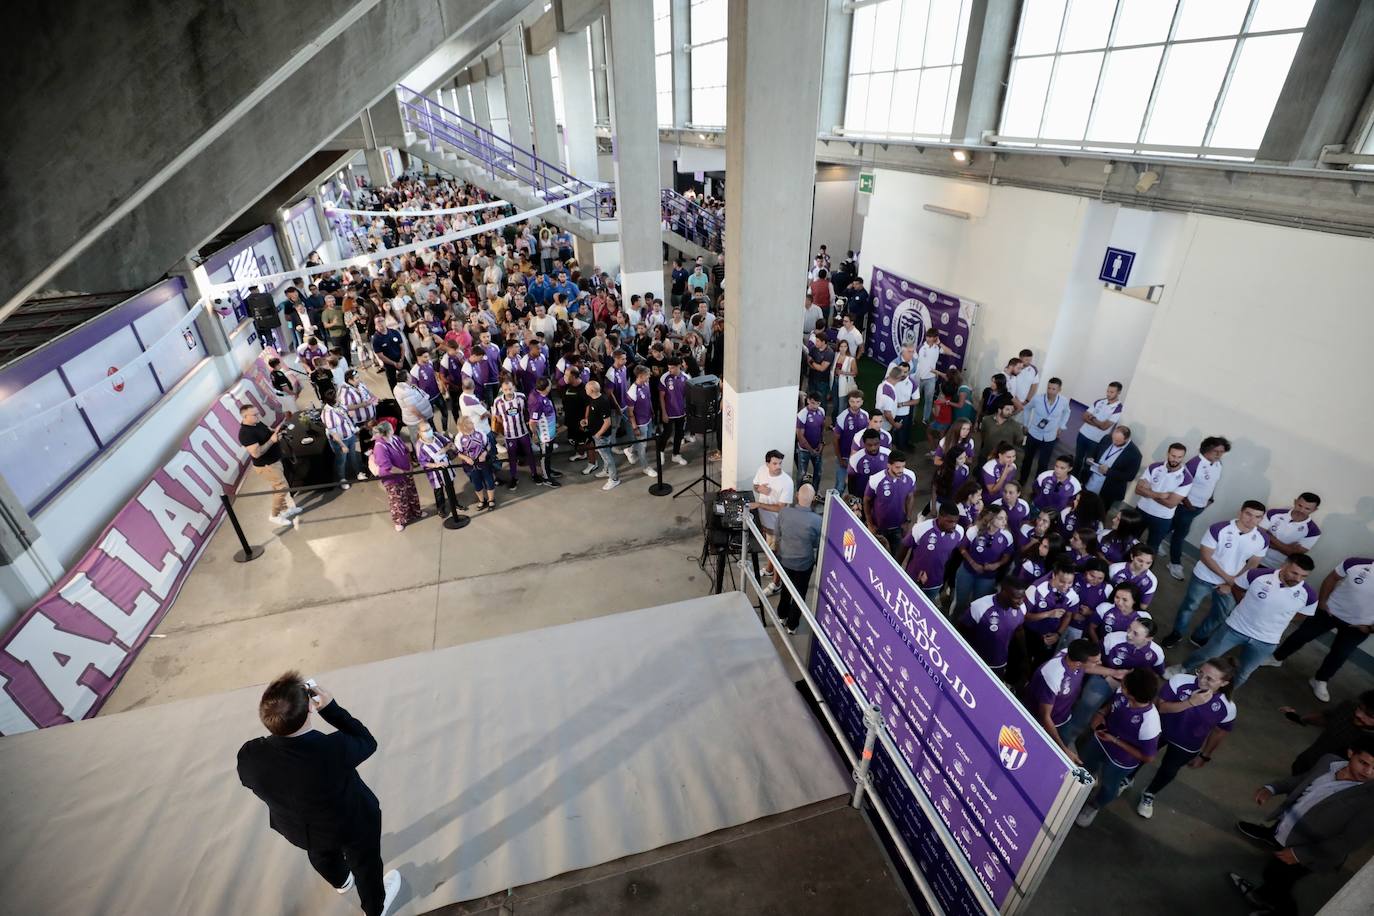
column 502, row 763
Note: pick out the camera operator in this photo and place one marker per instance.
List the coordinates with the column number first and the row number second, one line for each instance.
column 310, row 784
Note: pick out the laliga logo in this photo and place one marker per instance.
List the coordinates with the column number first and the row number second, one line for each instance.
column 851, row 545
column 1011, row 747
column 909, row 323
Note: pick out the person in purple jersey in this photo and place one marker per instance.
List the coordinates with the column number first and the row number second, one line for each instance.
column 343, row 439
column 996, row 622
column 1228, row 550
column 950, row 478
column 1085, row 510
column 986, row 549
column 889, row 499
column 1196, row 714
column 999, row 470
column 534, row 365
column 450, row 370
column 810, row 439
column 1093, row 591
column 617, row 387
column 474, row 453
column 544, row 427
column 424, row 376
column 1040, row 555
column 869, row 459
column 639, row 401
column 433, row 451
column 392, row 458
column 849, row 424
column 672, row 394
column 1125, row 735
column 491, row 372
column 1018, row 510
column 1050, row 604
column 509, row 412
column 1054, row 688
column 1117, row 615
column 1121, row 653
column 1136, row 571
column 969, row 501
column 1122, row 532
column 1054, row 489
column 959, row 437
column 927, row 548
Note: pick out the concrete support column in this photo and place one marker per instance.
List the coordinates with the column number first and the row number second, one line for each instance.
column 464, row 93
column 517, row 92
column 579, row 111
column 634, row 135
column 601, row 70
column 682, row 63
column 770, row 156
column 542, row 112
column 987, row 57
column 481, row 109
column 839, row 24
column 496, row 105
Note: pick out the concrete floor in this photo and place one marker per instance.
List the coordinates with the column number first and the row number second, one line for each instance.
column 344, row 588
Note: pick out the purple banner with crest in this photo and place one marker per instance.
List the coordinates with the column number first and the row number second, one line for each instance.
column 991, row 774
column 903, row 310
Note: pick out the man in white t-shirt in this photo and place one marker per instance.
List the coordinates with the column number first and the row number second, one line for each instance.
column 1161, row 489
column 925, row 371
column 1205, row 470
column 1228, row 549
column 1099, row 419
column 1273, row 599
column 773, row 492
column 1345, row 604
column 851, row 334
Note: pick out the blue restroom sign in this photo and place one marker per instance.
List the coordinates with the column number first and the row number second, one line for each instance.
column 1116, row 266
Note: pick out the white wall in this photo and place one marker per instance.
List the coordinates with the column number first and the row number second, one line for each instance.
column 835, row 222
column 1261, row 334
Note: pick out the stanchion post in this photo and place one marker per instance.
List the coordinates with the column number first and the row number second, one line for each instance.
column 249, row 553
column 873, row 720
column 455, row 519
column 659, row 487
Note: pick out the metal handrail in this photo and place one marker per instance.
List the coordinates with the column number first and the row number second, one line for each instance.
column 692, row 221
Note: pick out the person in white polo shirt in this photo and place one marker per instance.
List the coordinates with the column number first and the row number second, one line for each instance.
column 1161, row 489
column 1273, row 598
column 1205, row 470
column 927, row 375
column 1098, row 420
column 1345, row 603
column 1291, row 531
column 1228, row 550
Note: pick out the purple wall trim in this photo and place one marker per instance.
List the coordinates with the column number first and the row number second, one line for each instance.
column 61, row 349
column 298, row 209
column 224, row 255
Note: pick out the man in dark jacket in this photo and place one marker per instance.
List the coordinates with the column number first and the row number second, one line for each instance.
column 314, row 795
column 1324, row 818
column 1114, row 464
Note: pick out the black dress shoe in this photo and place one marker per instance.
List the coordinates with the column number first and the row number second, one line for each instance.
column 1260, row 833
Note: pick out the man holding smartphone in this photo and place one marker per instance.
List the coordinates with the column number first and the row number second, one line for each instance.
column 315, row 797
column 261, row 445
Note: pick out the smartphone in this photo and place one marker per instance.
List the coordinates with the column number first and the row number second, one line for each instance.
column 311, row 687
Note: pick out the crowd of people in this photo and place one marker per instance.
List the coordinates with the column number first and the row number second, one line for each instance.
column 1026, row 543
column 491, row 347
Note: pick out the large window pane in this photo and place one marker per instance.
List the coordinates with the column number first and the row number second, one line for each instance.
column 1087, row 24
column 1187, row 92
column 1040, row 24
column 1260, row 72
column 1030, row 79
column 904, row 88
column 1205, row 18
column 1071, row 96
column 942, row 33
column 708, row 65
column 856, row 103
column 665, row 109
column 1143, row 21
column 930, row 110
column 708, row 20
column 879, row 102
column 663, row 72
column 861, row 41
column 885, row 35
column 708, row 107
column 1271, row 15
column 912, row 40
column 1123, row 95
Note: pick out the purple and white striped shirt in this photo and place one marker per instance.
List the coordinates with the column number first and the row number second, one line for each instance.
column 354, row 399
column 511, row 411
column 432, row 451
column 337, row 422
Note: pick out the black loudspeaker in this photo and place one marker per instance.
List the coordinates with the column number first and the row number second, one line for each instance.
column 703, row 403
column 263, row 310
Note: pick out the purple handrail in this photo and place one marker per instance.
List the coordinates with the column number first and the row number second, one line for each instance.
column 693, row 222
column 503, row 158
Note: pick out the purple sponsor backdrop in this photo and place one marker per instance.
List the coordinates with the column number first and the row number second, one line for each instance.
column 990, row 772
column 902, row 311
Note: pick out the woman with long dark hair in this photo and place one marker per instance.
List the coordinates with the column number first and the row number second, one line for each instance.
column 1196, row 713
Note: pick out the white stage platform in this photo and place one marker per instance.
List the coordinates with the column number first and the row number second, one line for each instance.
column 501, row 763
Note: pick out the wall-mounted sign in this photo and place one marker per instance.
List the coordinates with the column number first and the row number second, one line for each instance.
column 866, row 183
column 1116, row 266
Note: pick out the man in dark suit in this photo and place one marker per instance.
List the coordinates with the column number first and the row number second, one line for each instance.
column 1324, row 818
column 315, row 797
column 1113, row 465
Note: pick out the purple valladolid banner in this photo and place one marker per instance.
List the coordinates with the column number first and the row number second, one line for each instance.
column 63, row 658
column 988, row 770
column 902, row 311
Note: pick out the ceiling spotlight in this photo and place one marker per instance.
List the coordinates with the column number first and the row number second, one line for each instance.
column 961, row 155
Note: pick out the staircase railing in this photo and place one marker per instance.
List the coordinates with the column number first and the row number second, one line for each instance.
column 501, row 158
column 693, row 222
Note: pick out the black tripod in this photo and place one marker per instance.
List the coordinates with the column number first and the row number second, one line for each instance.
column 705, row 477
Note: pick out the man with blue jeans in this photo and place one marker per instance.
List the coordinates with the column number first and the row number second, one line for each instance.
column 1161, row 489
column 927, row 375
column 602, row 416
column 343, row 438
column 1273, row 599
column 810, row 432
column 1045, row 417
column 1205, row 470
column 1229, row 549
column 639, row 408
column 1125, row 734
column 849, row 425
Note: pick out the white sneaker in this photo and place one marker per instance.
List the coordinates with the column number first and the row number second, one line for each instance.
column 611, row 484
column 391, row 883
column 772, row 589
column 603, row 473
column 678, row 459
column 589, row 470
column 1271, row 662
column 344, row 485
column 651, row 472
column 1176, row 570
column 347, row 885
column 281, row 521
column 362, row 476
column 292, row 512
column 576, row 457
column 629, row 452
column 1086, row 816
column 1319, row 690
column 1146, row 806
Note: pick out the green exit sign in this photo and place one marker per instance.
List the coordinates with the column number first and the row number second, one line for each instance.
column 866, row 183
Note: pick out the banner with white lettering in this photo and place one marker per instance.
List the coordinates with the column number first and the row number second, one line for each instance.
column 903, row 310
column 988, row 770
column 64, row 657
